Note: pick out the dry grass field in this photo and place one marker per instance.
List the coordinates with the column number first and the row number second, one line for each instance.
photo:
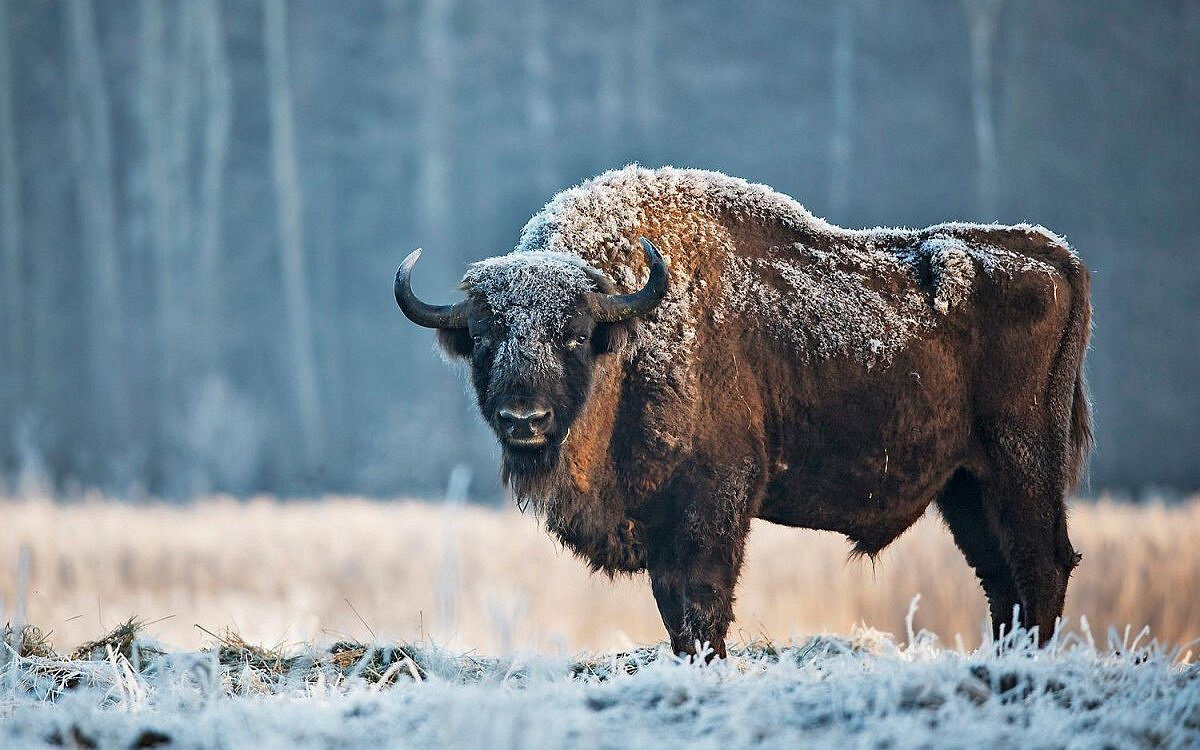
column 492, row 581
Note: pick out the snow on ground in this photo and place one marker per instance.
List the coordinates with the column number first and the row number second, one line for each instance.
column 865, row 691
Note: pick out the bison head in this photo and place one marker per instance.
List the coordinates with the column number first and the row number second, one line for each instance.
column 532, row 326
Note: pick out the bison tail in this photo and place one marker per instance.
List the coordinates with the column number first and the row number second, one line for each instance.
column 1079, row 328
column 1081, row 428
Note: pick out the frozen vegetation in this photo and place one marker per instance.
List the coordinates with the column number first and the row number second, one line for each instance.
column 867, row 690
column 491, row 579
column 437, row 581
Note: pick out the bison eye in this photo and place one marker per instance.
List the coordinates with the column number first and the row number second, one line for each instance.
column 477, row 339
column 578, row 339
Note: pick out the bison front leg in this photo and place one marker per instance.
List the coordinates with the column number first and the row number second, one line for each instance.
column 693, row 583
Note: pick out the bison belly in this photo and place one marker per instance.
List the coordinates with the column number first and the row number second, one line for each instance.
column 867, row 457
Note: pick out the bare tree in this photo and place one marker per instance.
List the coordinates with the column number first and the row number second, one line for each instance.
column 179, row 254
column 91, row 152
column 218, row 101
column 12, row 317
column 982, row 17
column 539, row 107
column 290, row 211
column 841, row 140
column 1190, row 30
column 433, row 180
column 646, row 64
column 609, row 102
column 160, row 183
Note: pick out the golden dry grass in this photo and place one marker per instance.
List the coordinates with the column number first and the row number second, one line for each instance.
column 492, row 580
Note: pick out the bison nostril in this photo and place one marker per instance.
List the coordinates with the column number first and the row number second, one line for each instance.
column 525, row 422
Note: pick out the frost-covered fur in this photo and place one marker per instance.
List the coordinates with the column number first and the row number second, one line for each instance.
column 797, row 372
column 953, row 271
column 837, row 297
column 531, row 293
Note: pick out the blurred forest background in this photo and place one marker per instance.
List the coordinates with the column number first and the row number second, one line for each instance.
column 202, row 203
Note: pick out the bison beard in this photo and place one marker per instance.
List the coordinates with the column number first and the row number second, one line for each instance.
column 791, row 371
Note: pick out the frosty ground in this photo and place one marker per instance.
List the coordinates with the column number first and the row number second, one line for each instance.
column 865, row 690
column 444, row 586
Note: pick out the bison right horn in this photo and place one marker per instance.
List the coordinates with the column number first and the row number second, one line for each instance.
column 612, row 308
column 429, row 316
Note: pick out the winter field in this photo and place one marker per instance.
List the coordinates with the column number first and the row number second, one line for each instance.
column 350, row 622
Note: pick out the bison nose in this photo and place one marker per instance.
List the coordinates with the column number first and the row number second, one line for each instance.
column 521, row 422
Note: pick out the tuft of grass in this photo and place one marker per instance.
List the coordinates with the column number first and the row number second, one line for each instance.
column 603, row 667
column 379, row 665
column 246, row 666
column 121, row 640
column 233, row 651
column 26, row 641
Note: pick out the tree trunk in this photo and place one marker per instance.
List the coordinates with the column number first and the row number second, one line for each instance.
column 609, row 102
column 12, row 307
column 433, row 179
column 539, row 107
column 841, row 137
column 180, row 258
column 646, row 78
column 91, row 151
column 982, row 16
column 290, row 212
column 152, row 111
column 1190, row 62
column 435, row 220
column 218, row 105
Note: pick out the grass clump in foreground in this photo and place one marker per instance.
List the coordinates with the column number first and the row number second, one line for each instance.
column 124, row 654
column 125, row 690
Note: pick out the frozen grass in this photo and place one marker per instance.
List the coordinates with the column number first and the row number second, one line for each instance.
column 861, row 691
column 421, row 587
column 491, row 580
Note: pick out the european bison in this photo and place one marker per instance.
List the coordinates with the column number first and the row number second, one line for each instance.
column 770, row 365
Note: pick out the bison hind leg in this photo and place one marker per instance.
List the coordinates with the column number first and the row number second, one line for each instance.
column 1024, row 494
column 962, row 506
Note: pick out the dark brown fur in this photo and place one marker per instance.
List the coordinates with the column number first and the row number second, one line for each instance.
column 985, row 414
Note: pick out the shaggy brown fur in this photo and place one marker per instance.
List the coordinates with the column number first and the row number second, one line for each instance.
column 814, row 377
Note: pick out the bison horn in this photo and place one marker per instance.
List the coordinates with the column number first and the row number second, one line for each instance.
column 429, row 316
column 612, row 308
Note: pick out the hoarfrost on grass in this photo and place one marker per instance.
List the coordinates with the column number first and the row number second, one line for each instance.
column 861, row 691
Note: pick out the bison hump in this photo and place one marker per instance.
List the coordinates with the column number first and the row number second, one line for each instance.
column 848, row 301
column 951, row 271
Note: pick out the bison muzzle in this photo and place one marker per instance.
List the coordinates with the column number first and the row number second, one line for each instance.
column 767, row 364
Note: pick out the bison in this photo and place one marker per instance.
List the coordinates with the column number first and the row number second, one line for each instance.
column 767, row 364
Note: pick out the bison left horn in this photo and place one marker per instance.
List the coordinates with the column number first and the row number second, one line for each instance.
column 611, row 308
column 429, row 316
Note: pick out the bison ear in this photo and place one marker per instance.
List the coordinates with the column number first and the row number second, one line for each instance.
column 608, row 338
column 456, row 342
